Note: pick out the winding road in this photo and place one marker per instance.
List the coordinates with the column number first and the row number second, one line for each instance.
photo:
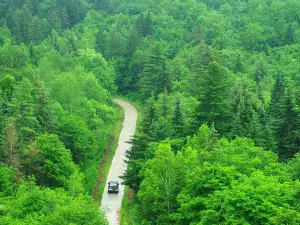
column 111, row 203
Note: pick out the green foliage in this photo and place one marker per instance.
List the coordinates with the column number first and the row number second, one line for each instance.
column 6, row 182
column 214, row 98
column 154, row 77
column 55, row 161
column 23, row 109
column 35, row 205
column 233, row 65
column 160, row 186
column 212, row 181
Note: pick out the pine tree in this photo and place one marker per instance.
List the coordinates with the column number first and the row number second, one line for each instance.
column 72, row 45
column 177, row 120
column 44, row 111
column 164, row 104
column 139, row 24
column 138, row 155
column 215, row 106
column 259, row 75
column 239, row 67
column 54, row 21
column 148, row 30
column 198, row 65
column 288, row 132
column 290, row 35
column 64, row 18
column 102, row 4
column 7, row 85
column 36, row 31
column 277, row 102
column 23, row 109
column 144, row 25
column 132, row 42
column 101, row 42
column 23, row 18
column 247, row 122
column 154, row 77
column 212, row 138
column 10, row 20
column 116, row 44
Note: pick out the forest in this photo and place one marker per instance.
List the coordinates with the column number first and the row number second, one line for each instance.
column 218, row 88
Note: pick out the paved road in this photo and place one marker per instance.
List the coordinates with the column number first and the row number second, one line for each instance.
column 111, row 203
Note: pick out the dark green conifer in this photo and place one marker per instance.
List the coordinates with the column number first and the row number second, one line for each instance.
column 177, row 120
column 288, row 131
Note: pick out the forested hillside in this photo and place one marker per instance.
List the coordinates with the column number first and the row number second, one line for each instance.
column 56, row 113
column 218, row 140
column 219, row 84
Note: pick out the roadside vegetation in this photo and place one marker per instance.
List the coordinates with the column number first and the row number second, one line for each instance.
column 218, row 82
column 106, row 161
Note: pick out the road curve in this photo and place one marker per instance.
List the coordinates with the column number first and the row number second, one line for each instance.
column 111, row 203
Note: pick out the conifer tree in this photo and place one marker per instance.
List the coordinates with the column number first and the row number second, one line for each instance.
column 239, row 67
column 177, row 120
column 148, row 30
column 23, row 20
column 36, row 30
column 132, row 42
column 54, row 20
column 7, row 85
column 288, row 131
column 290, row 35
column 44, row 111
column 138, row 155
column 215, row 106
column 277, row 102
column 101, row 4
column 64, row 18
column 23, row 109
column 144, row 25
column 260, row 74
column 164, row 108
column 212, row 138
column 154, row 77
column 199, row 63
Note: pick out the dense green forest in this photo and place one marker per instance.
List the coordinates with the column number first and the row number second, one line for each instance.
column 56, row 112
column 218, row 140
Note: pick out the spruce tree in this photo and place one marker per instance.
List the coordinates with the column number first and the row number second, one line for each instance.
column 288, row 131
column 259, row 75
column 64, row 18
column 22, row 110
column 247, row 122
column 154, row 77
column 198, row 65
column 164, row 104
column 290, row 35
column 148, row 30
column 239, row 67
column 144, row 25
column 214, row 107
column 102, row 4
column 44, row 110
column 36, row 31
column 177, row 120
column 138, row 155
column 54, row 20
column 132, row 42
column 277, row 102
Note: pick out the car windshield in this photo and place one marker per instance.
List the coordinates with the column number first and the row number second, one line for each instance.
column 113, row 184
